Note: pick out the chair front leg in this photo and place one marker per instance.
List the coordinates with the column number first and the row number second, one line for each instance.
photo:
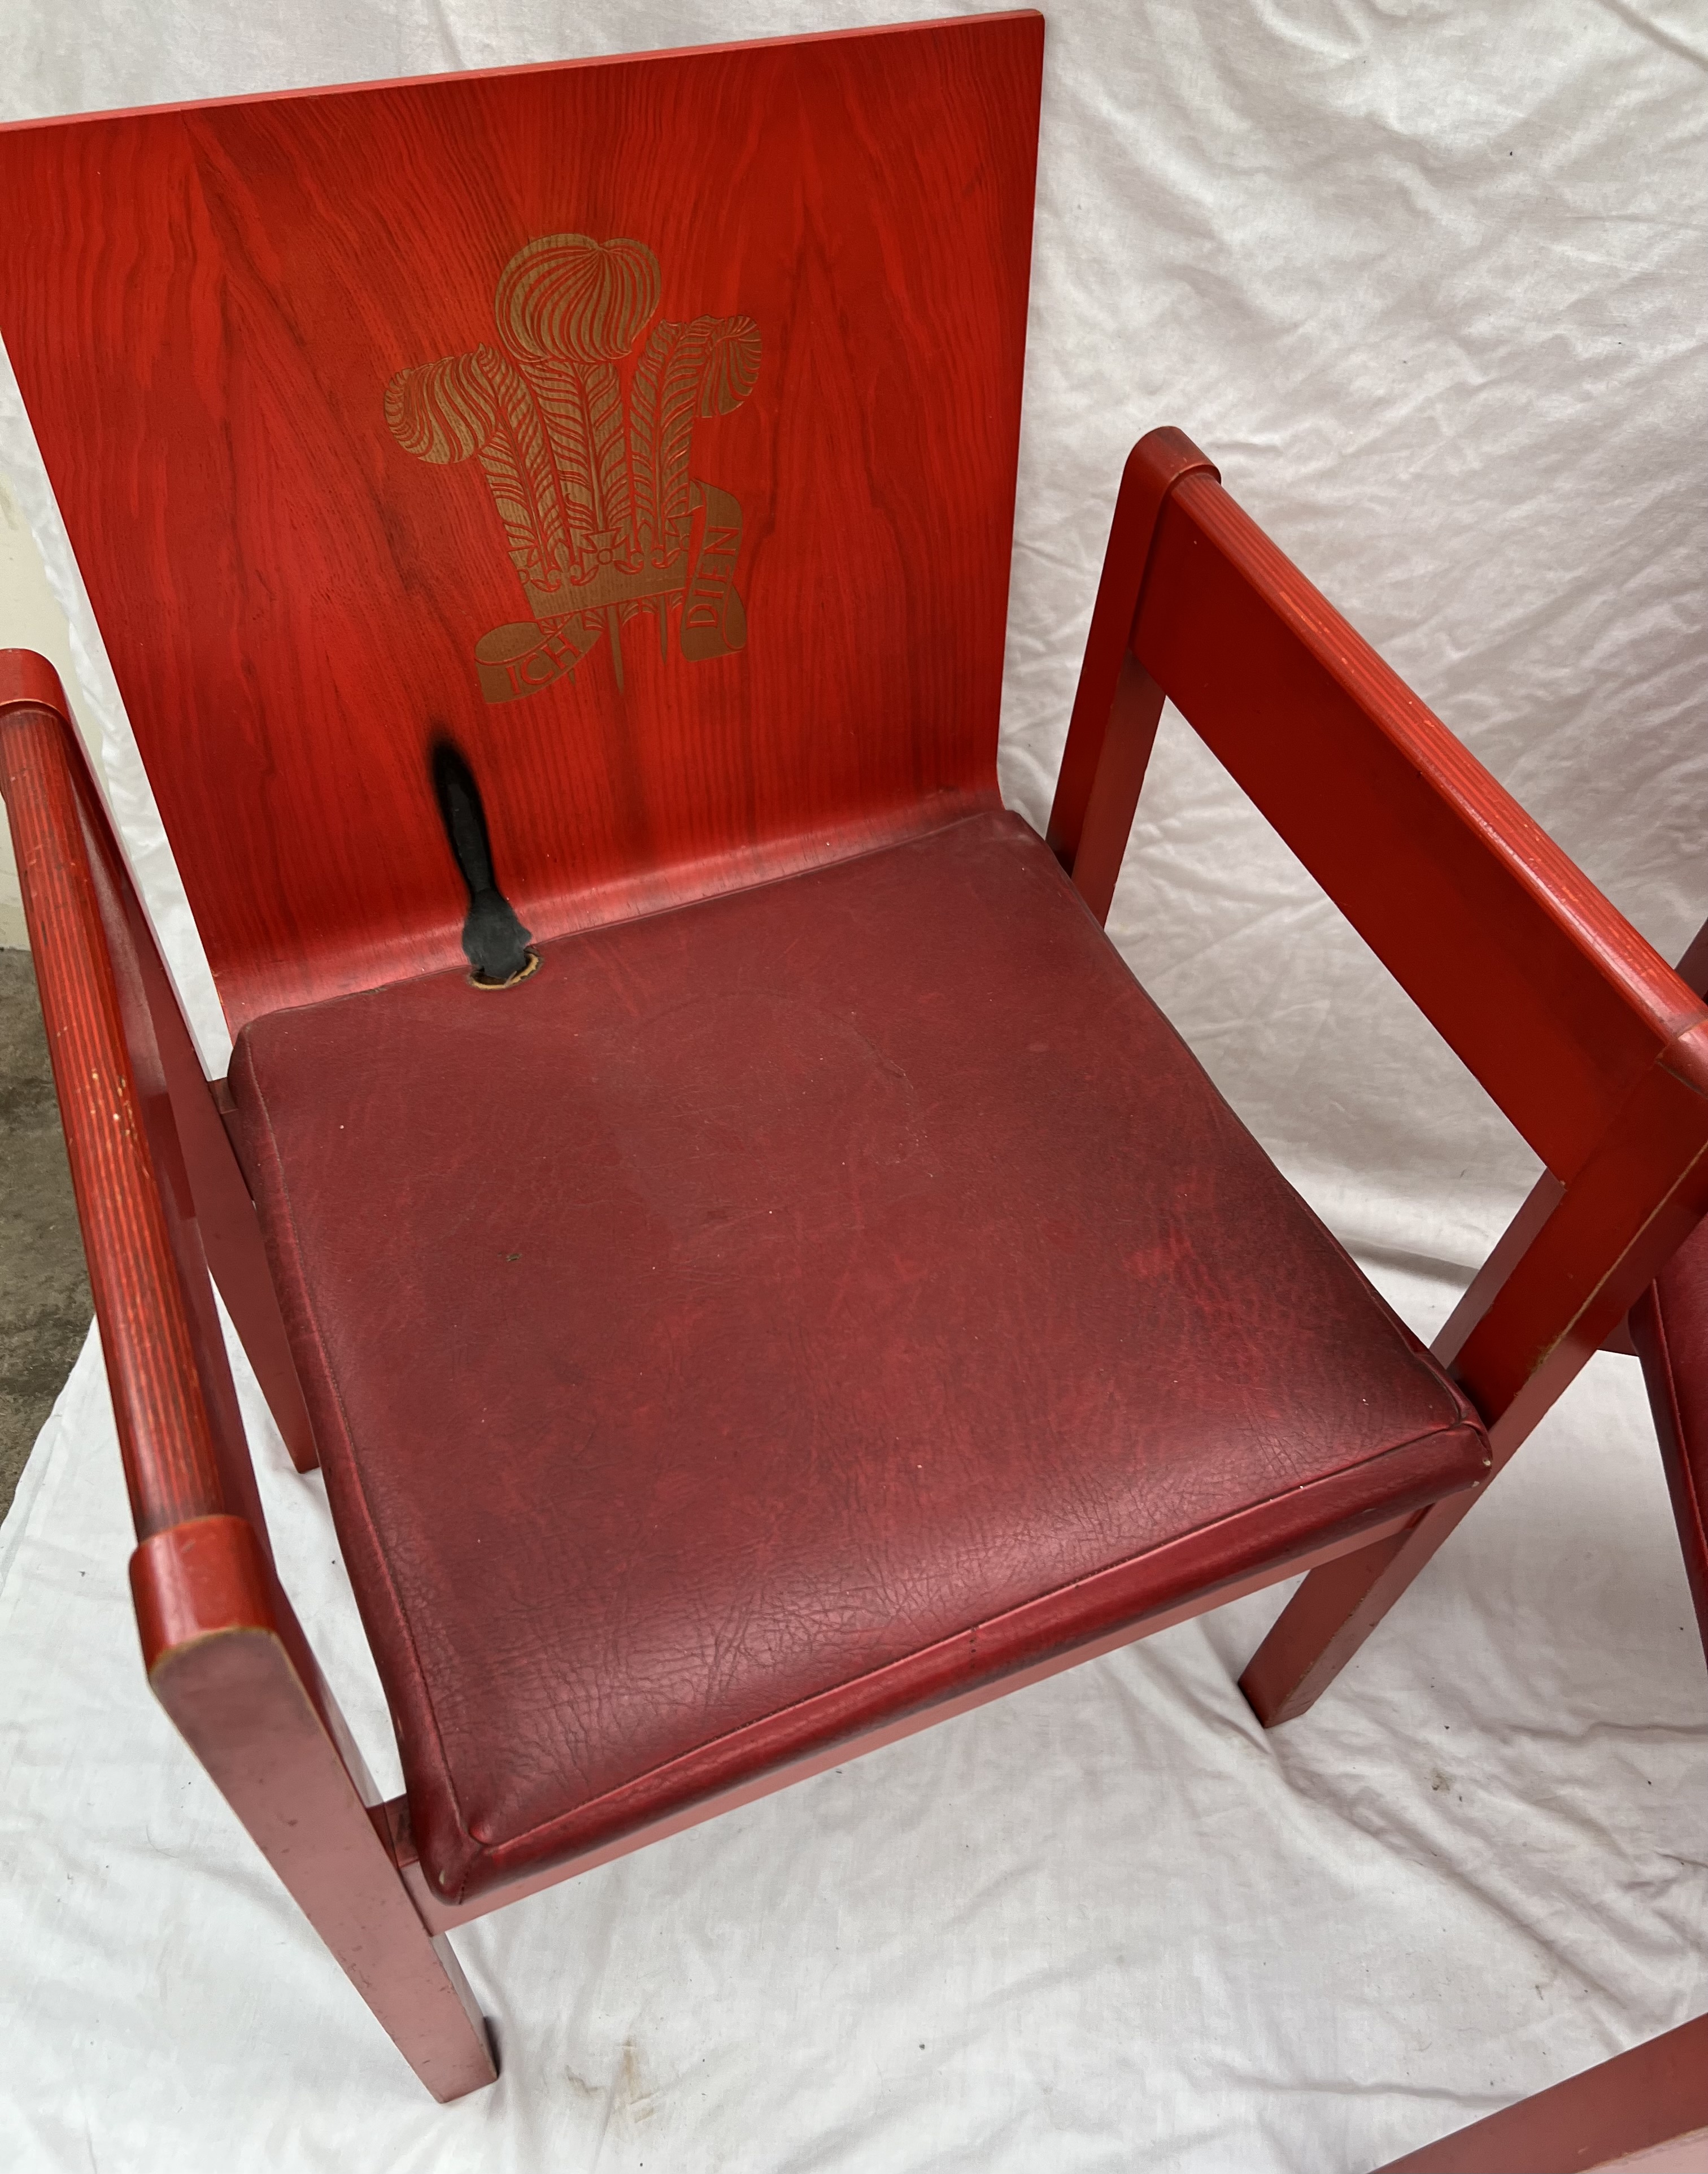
column 1577, row 1257
column 216, row 1663
column 1335, row 1611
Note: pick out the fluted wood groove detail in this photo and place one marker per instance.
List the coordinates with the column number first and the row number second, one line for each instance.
column 164, row 1437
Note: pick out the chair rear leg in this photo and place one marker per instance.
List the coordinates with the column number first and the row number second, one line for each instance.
column 217, row 1664
column 230, row 1232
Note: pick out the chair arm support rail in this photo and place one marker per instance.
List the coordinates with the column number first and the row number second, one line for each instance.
column 1117, row 704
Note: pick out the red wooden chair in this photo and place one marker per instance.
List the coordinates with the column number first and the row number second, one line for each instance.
column 1647, row 2107
column 826, row 1293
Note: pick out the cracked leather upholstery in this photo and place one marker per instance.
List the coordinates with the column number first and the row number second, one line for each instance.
column 787, row 1312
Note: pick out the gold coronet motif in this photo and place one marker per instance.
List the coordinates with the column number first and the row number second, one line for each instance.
column 591, row 479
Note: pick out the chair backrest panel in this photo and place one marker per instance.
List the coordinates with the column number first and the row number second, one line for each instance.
column 647, row 426
column 1555, row 1003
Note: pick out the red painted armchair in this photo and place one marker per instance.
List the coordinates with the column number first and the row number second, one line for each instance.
column 757, row 1273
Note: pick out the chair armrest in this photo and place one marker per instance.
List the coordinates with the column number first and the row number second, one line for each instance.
column 1545, row 990
column 172, row 1468
column 129, row 1084
column 1594, row 1048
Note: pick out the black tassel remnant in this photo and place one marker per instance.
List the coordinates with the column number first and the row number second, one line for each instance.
column 495, row 941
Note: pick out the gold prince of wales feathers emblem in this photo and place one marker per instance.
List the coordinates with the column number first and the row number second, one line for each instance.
column 595, row 492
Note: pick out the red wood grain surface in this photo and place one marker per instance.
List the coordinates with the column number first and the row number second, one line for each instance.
column 206, row 307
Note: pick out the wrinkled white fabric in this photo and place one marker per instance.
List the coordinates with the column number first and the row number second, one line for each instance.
column 1426, row 280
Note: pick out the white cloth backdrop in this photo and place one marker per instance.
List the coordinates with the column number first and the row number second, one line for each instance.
column 1426, row 279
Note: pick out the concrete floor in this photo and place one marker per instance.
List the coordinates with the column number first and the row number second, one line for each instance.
column 45, row 1305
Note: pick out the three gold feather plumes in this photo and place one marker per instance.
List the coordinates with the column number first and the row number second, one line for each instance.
column 603, row 515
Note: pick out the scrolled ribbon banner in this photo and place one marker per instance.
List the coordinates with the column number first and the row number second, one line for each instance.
column 520, row 659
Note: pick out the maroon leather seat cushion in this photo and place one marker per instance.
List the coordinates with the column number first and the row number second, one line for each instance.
column 789, row 1311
